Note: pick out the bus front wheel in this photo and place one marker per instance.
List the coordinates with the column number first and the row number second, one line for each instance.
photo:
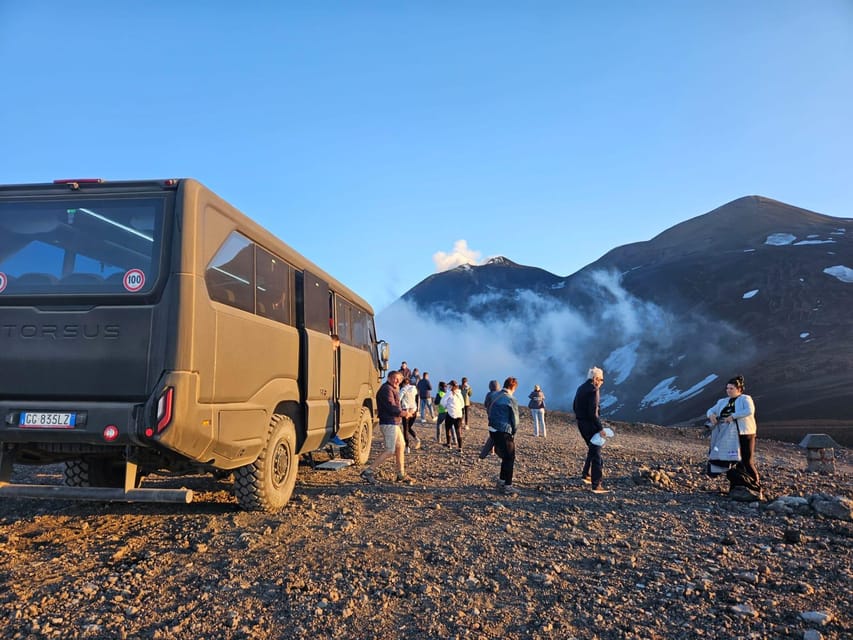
column 267, row 483
column 358, row 447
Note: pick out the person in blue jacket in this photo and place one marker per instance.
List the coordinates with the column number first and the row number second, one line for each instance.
column 503, row 423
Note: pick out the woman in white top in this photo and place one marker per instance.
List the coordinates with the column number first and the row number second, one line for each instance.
column 409, row 402
column 455, row 405
column 740, row 409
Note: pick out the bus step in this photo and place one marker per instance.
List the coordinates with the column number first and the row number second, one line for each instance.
column 101, row 494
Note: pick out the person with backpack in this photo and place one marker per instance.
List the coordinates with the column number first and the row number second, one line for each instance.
column 738, row 408
column 537, row 410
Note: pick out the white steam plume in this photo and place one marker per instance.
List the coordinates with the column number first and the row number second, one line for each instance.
column 547, row 341
column 461, row 254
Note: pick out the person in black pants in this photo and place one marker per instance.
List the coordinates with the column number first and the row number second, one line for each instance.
column 503, row 423
column 585, row 407
column 739, row 408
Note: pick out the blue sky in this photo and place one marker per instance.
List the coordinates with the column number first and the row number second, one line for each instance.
column 383, row 138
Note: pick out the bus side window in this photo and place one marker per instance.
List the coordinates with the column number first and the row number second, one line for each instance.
column 274, row 297
column 344, row 321
column 230, row 275
column 315, row 303
column 361, row 330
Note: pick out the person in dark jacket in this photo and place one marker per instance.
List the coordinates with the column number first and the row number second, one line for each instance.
column 425, row 396
column 537, row 410
column 390, row 420
column 585, row 407
column 503, row 423
column 489, row 444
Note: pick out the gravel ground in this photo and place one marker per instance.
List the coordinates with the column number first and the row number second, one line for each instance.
column 665, row 555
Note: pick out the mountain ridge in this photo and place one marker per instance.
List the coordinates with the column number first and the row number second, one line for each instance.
column 755, row 286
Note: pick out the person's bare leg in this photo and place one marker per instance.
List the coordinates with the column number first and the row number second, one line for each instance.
column 400, row 455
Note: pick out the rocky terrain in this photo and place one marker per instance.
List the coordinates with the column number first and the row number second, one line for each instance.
column 665, row 555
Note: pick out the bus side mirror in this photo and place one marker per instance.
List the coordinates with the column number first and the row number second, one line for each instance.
column 384, row 354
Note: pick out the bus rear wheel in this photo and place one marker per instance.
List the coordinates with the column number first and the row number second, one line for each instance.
column 95, row 472
column 358, row 447
column 267, row 483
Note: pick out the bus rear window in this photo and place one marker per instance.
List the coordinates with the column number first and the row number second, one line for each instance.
column 82, row 245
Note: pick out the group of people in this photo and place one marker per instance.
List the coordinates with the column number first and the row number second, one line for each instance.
column 398, row 409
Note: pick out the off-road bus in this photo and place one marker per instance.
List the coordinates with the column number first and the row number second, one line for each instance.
column 149, row 326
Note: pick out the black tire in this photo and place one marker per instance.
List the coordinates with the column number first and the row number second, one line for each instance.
column 76, row 474
column 95, row 472
column 358, row 447
column 267, row 483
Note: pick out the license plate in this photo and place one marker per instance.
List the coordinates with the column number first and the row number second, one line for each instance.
column 47, row 420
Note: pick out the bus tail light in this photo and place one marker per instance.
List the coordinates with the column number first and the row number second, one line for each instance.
column 164, row 411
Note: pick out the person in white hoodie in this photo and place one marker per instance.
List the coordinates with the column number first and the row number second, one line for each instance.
column 454, row 403
column 739, row 408
column 409, row 402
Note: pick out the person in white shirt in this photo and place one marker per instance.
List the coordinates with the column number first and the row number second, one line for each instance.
column 454, row 403
column 409, row 402
column 739, row 408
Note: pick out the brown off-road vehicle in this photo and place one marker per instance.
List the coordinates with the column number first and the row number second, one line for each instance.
column 150, row 326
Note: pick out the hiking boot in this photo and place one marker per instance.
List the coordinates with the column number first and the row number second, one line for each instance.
column 509, row 490
column 368, row 476
column 417, row 444
column 600, row 490
column 405, row 478
column 586, row 480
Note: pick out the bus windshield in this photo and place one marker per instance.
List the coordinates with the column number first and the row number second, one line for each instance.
column 85, row 245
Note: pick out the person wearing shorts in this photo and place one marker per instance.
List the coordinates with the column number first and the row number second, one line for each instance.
column 391, row 416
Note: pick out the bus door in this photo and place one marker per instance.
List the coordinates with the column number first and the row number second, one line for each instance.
column 317, row 367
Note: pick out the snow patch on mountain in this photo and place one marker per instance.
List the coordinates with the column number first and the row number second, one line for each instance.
column 845, row 274
column 750, row 294
column 802, row 242
column 606, row 401
column 619, row 364
column 780, row 239
column 665, row 392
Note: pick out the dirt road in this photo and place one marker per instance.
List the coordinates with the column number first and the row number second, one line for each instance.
column 665, row 555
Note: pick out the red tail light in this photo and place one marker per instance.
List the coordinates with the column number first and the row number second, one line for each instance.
column 164, row 410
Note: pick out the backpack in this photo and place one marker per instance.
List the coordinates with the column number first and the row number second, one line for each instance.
column 738, row 477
